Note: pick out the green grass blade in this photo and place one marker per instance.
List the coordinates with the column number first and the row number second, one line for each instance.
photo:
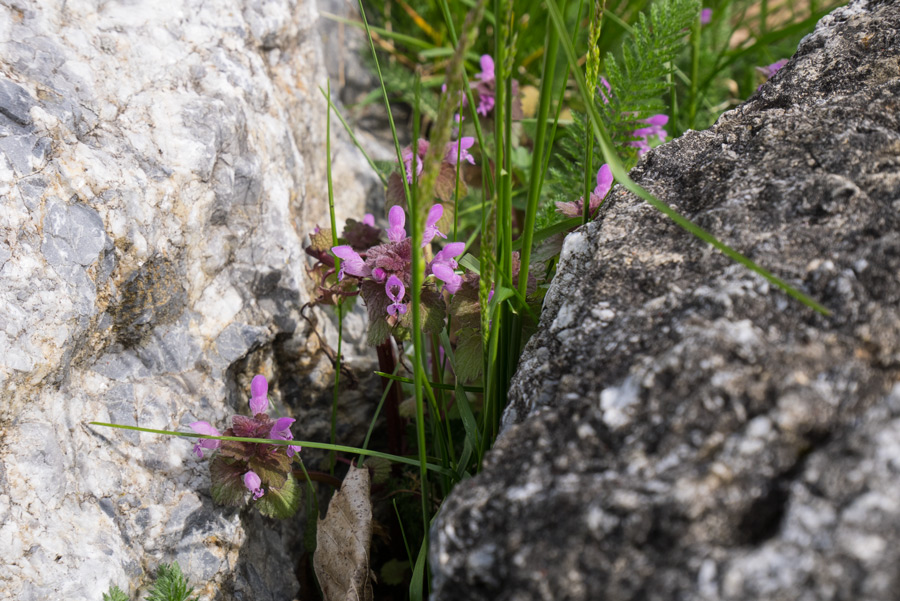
column 353, row 137
column 305, row 443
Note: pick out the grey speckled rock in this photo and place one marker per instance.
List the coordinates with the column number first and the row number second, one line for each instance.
column 679, row 429
column 160, row 161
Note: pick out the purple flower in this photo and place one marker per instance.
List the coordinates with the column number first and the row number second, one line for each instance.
column 604, row 183
column 395, row 291
column 205, row 443
column 705, row 16
column 397, row 219
column 459, row 150
column 407, row 154
column 253, row 484
column 656, row 123
column 351, row 262
column 443, row 265
column 282, row 431
column 485, row 86
column 770, row 70
column 434, row 215
column 369, row 219
column 259, row 387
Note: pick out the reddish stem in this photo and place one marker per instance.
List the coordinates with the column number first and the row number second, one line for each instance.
column 387, row 364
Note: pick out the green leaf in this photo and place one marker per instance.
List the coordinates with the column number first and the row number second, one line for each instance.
column 227, row 486
column 381, row 469
column 469, row 354
column 170, row 584
column 394, row 571
column 272, row 468
column 115, row 594
column 280, row 503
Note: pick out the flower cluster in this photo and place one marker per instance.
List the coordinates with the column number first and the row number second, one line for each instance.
column 455, row 151
column 388, row 265
column 645, row 134
column 262, row 469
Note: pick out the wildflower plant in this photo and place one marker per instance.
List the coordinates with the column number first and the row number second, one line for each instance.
column 259, row 472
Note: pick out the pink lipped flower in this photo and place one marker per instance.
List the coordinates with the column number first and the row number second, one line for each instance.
column 282, row 431
column 434, row 215
column 259, row 387
column 705, row 16
column 253, row 484
column 444, row 264
column 485, row 86
column 351, row 262
column 604, row 183
column 458, row 150
column 644, row 134
column 395, row 291
column 397, row 219
column 205, row 443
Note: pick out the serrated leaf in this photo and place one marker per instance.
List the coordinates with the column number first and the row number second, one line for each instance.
column 280, row 503
column 381, row 469
column 341, row 559
column 321, row 241
column 227, row 487
column 433, row 310
column 469, row 354
column 272, row 468
column 395, row 194
column 361, row 236
column 445, row 188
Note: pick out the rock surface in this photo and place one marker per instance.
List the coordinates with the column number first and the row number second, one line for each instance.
column 678, row 428
column 160, row 162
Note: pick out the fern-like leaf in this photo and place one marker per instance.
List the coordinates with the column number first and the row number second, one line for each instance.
column 638, row 79
column 115, row 594
column 170, row 585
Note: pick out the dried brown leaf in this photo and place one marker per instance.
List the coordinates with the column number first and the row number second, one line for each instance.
column 341, row 559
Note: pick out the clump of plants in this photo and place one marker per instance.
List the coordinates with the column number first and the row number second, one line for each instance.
column 525, row 116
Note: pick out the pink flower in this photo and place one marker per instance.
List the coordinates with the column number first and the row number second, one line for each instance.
column 369, row 219
column 770, row 70
column 705, row 16
column 259, row 402
column 205, row 443
column 351, row 262
column 434, row 215
column 485, row 86
column 253, row 484
column 443, row 266
column 282, row 431
column 395, row 291
column 407, row 154
column 459, row 150
column 604, row 183
column 397, row 219
column 656, row 123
